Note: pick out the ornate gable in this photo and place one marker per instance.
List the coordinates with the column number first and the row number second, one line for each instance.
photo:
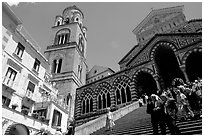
column 158, row 16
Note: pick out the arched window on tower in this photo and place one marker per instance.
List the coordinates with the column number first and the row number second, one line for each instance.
column 62, row 36
column 81, row 43
column 67, row 21
column 58, row 23
column 57, row 65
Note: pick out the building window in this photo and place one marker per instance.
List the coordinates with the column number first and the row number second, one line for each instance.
column 19, row 50
column 30, row 89
column 58, row 23
column 10, row 77
column 79, row 71
column 57, row 64
column 36, row 65
column 67, row 21
column 5, row 101
column 56, row 119
column 81, row 43
column 62, row 37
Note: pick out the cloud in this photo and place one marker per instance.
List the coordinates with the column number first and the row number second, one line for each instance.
column 12, row 3
column 114, row 44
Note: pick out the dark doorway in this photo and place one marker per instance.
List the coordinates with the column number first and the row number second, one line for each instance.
column 167, row 65
column 194, row 66
column 146, row 84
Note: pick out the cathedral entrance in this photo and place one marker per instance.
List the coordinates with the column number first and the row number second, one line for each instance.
column 167, row 65
column 194, row 65
column 145, row 84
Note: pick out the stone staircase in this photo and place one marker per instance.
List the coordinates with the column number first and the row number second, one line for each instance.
column 138, row 122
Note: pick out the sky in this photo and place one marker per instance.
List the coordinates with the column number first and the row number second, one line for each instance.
column 109, row 24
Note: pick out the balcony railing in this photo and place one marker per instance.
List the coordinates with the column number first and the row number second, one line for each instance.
column 8, row 81
column 29, row 94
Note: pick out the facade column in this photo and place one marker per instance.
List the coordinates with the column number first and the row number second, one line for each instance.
column 113, row 98
column 183, row 69
column 133, row 91
column 60, row 37
column 94, row 103
column 156, row 78
column 57, row 63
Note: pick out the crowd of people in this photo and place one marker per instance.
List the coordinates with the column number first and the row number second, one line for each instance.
column 70, row 130
column 176, row 103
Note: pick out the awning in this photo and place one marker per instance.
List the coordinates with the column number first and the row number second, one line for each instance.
column 17, row 129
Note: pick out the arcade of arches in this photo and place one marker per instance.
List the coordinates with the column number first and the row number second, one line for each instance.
column 127, row 86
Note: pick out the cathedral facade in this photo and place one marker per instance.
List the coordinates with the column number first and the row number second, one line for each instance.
column 169, row 48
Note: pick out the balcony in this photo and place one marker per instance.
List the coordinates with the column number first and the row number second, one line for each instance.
column 18, row 117
column 29, row 94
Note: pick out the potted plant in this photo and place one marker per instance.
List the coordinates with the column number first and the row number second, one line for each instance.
column 14, row 106
column 24, row 111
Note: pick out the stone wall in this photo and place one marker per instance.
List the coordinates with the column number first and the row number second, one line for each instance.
column 96, row 124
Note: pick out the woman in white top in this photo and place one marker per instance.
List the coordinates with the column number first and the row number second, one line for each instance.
column 109, row 120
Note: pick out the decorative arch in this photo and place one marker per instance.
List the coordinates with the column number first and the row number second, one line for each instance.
column 144, row 81
column 192, row 64
column 103, row 91
column 87, row 99
column 169, row 44
column 81, row 43
column 122, row 86
column 189, row 52
column 62, row 36
column 147, row 70
column 58, row 20
column 103, row 85
column 87, row 91
column 57, row 62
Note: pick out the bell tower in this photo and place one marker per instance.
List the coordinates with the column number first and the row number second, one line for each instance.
column 66, row 54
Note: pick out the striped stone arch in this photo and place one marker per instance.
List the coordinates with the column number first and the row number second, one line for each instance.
column 104, row 86
column 79, row 99
column 184, row 58
column 122, row 80
column 166, row 43
column 87, row 91
column 147, row 70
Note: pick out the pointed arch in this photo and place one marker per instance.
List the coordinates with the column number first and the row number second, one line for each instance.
column 104, row 89
column 124, row 92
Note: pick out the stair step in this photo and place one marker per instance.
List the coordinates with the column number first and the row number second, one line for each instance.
column 138, row 122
